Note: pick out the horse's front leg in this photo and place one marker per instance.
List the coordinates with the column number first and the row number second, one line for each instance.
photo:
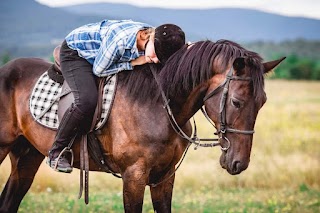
column 134, row 183
column 161, row 195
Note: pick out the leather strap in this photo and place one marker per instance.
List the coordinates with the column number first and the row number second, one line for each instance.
column 84, row 166
column 97, row 114
column 81, row 169
column 86, row 169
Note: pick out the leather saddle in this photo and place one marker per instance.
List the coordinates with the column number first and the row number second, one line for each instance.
column 56, row 56
column 54, row 71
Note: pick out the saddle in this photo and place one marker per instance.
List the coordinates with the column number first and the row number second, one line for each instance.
column 54, row 71
column 90, row 144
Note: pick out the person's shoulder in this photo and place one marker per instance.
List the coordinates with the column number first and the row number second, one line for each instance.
column 129, row 23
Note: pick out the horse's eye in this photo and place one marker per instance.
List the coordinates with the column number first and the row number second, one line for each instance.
column 236, row 103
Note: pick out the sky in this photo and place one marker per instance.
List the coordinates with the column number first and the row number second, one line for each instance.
column 301, row 8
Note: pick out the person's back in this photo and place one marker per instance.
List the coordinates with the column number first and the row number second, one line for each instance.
column 87, row 40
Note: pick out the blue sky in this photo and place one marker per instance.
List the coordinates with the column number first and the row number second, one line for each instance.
column 302, row 8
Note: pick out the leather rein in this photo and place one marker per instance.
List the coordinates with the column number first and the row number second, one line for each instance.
column 221, row 133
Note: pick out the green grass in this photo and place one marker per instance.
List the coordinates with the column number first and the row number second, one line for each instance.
column 283, row 175
column 186, row 200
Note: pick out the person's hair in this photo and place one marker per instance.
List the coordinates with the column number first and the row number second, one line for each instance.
column 150, row 32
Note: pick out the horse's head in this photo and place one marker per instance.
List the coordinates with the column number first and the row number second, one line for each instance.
column 233, row 101
column 229, row 81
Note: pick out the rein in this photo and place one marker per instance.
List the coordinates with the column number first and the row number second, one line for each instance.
column 194, row 140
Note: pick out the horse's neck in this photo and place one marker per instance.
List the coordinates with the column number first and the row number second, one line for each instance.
column 184, row 108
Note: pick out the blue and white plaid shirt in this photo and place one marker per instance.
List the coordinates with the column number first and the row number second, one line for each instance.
column 109, row 45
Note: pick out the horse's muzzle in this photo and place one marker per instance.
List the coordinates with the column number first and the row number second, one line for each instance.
column 233, row 166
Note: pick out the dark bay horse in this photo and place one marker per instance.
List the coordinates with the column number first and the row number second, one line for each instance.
column 138, row 139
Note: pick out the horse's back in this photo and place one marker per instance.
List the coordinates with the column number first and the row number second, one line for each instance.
column 20, row 67
column 20, row 74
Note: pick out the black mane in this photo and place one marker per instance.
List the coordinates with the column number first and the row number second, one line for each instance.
column 188, row 68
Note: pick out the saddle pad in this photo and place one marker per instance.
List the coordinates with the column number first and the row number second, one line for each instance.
column 45, row 96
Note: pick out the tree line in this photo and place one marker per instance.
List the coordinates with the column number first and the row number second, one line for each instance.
column 298, row 68
column 302, row 62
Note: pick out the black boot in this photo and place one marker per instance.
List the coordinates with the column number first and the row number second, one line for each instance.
column 67, row 130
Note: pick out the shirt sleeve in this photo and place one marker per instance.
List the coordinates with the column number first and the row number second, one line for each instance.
column 108, row 61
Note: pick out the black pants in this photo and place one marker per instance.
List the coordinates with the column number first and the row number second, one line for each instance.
column 78, row 73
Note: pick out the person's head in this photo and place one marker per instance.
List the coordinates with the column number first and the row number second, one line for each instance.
column 143, row 37
column 168, row 39
column 145, row 42
column 160, row 43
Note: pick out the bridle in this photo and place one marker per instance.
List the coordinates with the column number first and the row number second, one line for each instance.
column 222, row 115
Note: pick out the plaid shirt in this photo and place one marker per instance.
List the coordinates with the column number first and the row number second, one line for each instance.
column 109, row 45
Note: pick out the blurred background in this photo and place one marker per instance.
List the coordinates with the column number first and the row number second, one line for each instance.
column 284, row 172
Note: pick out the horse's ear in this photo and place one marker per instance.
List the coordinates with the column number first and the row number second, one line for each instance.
column 268, row 66
column 238, row 65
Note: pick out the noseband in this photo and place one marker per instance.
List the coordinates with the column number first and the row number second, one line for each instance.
column 223, row 126
column 223, row 123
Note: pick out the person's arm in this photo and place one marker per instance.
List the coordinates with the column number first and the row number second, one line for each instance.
column 139, row 61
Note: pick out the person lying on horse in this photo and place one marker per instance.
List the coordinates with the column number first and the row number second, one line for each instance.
column 98, row 50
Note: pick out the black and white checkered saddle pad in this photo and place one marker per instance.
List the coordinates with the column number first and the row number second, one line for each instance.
column 46, row 95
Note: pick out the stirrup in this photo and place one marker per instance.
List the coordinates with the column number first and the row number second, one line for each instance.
column 54, row 163
column 66, row 149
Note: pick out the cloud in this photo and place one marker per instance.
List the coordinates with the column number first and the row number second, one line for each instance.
column 304, row 8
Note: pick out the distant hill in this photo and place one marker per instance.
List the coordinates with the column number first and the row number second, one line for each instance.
column 28, row 28
column 241, row 25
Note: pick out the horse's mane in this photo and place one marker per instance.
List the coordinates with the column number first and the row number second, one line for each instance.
column 189, row 67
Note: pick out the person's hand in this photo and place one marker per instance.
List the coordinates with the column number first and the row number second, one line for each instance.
column 139, row 61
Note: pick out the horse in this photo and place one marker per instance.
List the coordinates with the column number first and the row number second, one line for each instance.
column 139, row 140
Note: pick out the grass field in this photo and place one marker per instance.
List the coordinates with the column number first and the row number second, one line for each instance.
column 283, row 175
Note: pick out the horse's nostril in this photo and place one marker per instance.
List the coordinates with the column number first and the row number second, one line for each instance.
column 236, row 167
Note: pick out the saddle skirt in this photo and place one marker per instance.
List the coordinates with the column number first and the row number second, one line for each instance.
column 45, row 96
